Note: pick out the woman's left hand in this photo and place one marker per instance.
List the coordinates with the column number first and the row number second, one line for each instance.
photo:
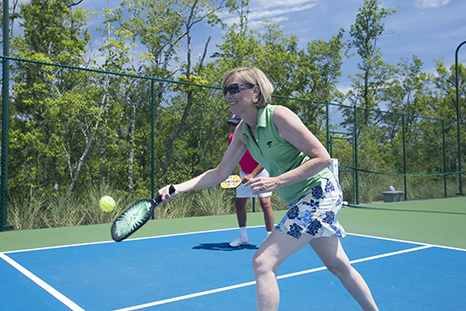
column 262, row 184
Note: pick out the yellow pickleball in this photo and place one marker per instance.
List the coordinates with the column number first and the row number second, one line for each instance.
column 107, row 203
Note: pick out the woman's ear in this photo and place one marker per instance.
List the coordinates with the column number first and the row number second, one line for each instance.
column 256, row 90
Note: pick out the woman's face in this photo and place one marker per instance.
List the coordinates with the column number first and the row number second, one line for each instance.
column 242, row 94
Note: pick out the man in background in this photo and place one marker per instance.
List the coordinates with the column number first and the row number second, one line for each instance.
column 249, row 170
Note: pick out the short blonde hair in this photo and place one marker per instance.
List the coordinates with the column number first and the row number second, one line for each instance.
column 252, row 76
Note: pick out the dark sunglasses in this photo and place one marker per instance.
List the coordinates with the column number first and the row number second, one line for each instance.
column 236, row 88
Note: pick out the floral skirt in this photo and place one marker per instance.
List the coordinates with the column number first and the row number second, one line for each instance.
column 315, row 213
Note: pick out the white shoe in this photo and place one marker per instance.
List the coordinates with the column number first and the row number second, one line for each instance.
column 239, row 242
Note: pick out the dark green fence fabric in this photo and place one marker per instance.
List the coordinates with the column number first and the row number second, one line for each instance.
column 73, row 134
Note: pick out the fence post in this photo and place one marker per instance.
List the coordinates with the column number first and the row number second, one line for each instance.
column 152, row 142
column 5, row 117
column 356, row 162
column 459, row 121
column 404, row 156
column 444, row 159
column 327, row 124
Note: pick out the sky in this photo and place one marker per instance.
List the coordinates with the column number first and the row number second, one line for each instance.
column 429, row 29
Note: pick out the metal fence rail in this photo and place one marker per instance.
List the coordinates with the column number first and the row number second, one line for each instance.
column 69, row 131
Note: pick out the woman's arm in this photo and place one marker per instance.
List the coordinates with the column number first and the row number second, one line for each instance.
column 216, row 175
column 291, row 129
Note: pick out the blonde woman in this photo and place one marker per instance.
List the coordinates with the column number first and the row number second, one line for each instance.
column 297, row 164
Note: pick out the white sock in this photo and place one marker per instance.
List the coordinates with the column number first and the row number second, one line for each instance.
column 269, row 233
column 243, row 232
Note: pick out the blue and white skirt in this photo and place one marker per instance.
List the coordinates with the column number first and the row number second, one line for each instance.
column 315, row 213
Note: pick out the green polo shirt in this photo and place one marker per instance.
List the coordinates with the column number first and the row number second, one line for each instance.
column 278, row 156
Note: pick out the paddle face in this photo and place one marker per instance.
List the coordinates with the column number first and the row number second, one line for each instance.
column 134, row 217
column 232, row 181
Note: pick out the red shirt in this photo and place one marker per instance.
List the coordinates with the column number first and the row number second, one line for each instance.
column 247, row 162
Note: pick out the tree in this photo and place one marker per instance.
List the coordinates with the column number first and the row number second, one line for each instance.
column 366, row 31
column 47, row 100
column 193, row 13
column 316, row 75
column 145, row 38
column 445, row 91
column 310, row 73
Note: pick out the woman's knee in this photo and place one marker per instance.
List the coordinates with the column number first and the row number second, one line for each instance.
column 257, row 262
column 261, row 264
column 339, row 268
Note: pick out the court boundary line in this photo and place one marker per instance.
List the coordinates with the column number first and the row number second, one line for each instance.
column 214, row 230
column 74, row 306
column 124, row 241
column 42, row 284
column 285, row 276
column 404, row 241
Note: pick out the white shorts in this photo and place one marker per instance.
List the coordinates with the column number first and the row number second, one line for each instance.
column 246, row 192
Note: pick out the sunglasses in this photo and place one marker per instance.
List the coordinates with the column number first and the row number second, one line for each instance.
column 236, row 88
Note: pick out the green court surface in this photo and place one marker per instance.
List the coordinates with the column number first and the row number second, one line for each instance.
column 437, row 222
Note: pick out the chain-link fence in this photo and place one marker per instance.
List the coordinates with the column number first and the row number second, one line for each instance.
column 75, row 134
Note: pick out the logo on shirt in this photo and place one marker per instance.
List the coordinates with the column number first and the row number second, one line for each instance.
column 269, row 144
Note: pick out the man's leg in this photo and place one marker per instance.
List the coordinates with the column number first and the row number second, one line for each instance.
column 268, row 213
column 240, row 205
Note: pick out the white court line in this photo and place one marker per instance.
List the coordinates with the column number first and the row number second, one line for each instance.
column 209, row 231
column 70, row 304
column 222, row 289
column 125, row 241
column 408, row 242
column 208, row 292
column 76, row 307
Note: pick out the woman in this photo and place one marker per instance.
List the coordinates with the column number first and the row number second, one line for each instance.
column 297, row 163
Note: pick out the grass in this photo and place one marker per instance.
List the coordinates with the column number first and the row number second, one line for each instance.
column 41, row 211
column 372, row 186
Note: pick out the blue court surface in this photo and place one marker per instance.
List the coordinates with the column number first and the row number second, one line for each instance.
column 198, row 271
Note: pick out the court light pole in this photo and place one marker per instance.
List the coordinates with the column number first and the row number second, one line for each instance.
column 458, row 119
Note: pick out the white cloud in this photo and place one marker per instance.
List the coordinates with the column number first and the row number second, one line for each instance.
column 275, row 3
column 431, row 4
column 273, row 9
column 262, row 13
column 258, row 23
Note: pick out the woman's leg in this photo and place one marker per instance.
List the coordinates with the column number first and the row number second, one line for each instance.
column 333, row 256
column 265, row 263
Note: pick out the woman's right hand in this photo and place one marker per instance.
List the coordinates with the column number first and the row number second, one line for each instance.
column 168, row 193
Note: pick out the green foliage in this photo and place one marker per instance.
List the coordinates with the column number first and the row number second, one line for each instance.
column 370, row 82
column 76, row 135
column 44, row 211
column 212, row 201
column 445, row 92
column 368, row 28
column 189, row 84
column 51, row 29
column 311, row 73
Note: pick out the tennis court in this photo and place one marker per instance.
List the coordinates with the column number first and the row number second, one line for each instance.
column 411, row 260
